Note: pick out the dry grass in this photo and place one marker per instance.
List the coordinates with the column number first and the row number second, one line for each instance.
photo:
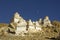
column 47, row 33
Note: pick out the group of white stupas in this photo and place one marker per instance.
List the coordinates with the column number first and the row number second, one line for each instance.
column 19, row 25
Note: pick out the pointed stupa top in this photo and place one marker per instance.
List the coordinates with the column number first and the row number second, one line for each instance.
column 16, row 15
column 37, row 24
column 46, row 17
column 30, row 22
column 40, row 20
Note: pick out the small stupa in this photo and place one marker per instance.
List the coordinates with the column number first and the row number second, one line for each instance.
column 47, row 22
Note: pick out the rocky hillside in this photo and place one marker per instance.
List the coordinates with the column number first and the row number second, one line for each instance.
column 48, row 33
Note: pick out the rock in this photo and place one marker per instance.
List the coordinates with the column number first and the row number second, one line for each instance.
column 12, row 28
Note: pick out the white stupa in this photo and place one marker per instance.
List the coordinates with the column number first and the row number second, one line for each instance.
column 16, row 17
column 38, row 26
column 21, row 24
column 31, row 26
column 40, row 21
column 47, row 22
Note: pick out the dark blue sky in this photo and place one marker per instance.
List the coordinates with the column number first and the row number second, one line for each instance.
column 29, row 9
